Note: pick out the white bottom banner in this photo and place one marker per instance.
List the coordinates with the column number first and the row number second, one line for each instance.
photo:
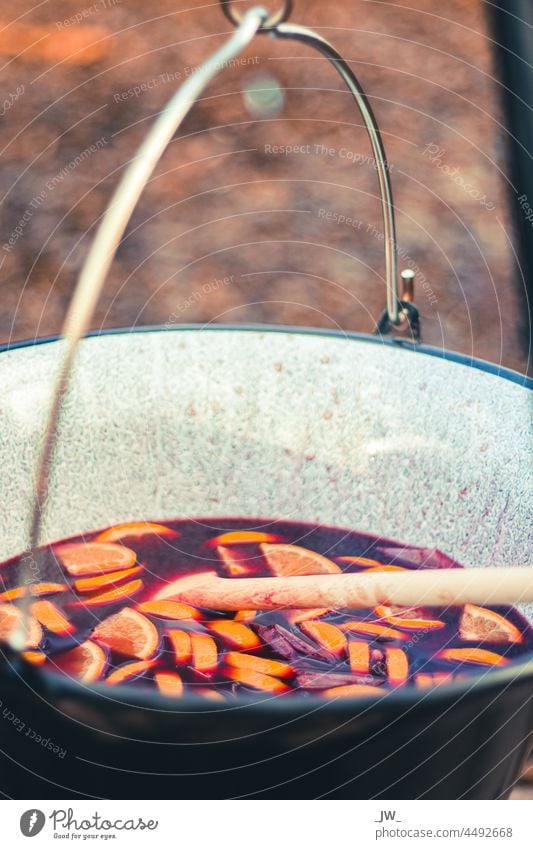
column 268, row 824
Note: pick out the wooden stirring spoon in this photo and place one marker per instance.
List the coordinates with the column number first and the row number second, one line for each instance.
column 428, row 587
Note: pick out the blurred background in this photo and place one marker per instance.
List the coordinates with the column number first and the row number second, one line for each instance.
column 265, row 206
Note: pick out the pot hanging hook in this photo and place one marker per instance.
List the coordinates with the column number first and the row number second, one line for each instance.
column 271, row 21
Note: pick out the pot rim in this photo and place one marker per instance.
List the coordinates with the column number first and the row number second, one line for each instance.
column 296, row 704
column 348, row 335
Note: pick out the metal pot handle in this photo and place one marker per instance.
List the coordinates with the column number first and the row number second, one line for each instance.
column 400, row 309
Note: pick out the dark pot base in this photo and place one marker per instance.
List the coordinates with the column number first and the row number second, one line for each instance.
column 446, row 746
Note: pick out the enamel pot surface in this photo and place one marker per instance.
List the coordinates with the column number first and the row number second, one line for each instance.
column 279, row 424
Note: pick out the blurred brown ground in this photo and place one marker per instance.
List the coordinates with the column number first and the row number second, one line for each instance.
column 220, row 206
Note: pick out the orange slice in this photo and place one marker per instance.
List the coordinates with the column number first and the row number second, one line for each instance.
column 388, row 568
column 402, row 620
column 285, row 560
column 358, row 561
column 135, row 530
column 479, row 623
column 37, row 658
column 128, row 671
column 231, row 563
column 51, row 617
column 240, row 537
column 169, row 610
column 181, row 644
column 110, row 596
column 204, row 653
column 328, row 636
column 425, row 680
column 99, row 582
column 93, row 558
column 235, row 633
column 352, row 691
column 212, row 695
column 259, row 664
column 11, row 617
column 481, row 656
column 245, row 615
column 128, row 632
column 256, row 680
column 35, row 589
column 372, row 629
column 302, row 615
column 359, row 655
column 85, row 662
column 397, row 666
column 169, row 684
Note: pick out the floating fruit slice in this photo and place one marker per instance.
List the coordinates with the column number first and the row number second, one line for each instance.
column 128, row 632
column 99, row 582
column 388, row 568
column 397, row 666
column 11, row 617
column 287, row 560
column 326, row 635
column 256, row 680
column 240, row 537
column 93, row 558
column 204, row 653
column 181, row 644
column 245, row 615
column 35, row 589
column 373, row 629
column 235, row 633
column 359, row 656
column 51, row 617
column 402, row 612
column 212, row 695
column 259, row 664
column 135, row 529
column 169, row 684
column 231, row 563
column 85, row 662
column 352, row 691
column 478, row 623
column 296, row 616
column 352, row 560
column 481, row 656
column 37, row 658
column 403, row 620
column 425, row 680
column 111, row 596
column 169, row 610
column 128, row 671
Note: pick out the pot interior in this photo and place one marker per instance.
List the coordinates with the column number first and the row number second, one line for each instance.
column 279, row 425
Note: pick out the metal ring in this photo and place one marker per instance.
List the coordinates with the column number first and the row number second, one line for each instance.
column 271, row 22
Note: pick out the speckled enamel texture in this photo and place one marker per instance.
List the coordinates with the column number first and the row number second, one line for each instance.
column 318, row 428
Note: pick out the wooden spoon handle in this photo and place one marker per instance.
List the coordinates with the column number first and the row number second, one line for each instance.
column 427, row 587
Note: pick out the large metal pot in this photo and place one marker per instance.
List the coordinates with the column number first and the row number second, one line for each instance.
column 273, row 423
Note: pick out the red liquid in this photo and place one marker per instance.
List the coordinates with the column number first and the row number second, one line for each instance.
column 220, row 655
